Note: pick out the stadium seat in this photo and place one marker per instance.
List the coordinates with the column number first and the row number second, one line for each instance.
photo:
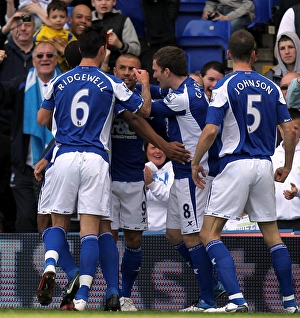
column 266, row 68
column 204, row 41
column 198, row 56
column 183, row 19
column 192, row 5
column 205, row 33
column 263, row 13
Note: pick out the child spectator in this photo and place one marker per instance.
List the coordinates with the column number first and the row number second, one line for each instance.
column 57, row 12
column 121, row 34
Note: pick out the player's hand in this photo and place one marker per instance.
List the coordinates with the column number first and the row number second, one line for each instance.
column 176, row 151
column 290, row 194
column 198, row 180
column 281, row 174
column 142, row 76
column 40, row 168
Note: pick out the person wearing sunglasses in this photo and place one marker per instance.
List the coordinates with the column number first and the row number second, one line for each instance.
column 293, row 93
column 23, row 95
column 286, row 81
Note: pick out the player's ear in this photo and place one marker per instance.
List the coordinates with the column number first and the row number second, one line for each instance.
column 229, row 54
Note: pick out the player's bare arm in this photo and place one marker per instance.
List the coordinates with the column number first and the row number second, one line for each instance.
column 40, row 168
column 289, row 141
column 205, row 141
column 173, row 150
column 143, row 78
column 44, row 117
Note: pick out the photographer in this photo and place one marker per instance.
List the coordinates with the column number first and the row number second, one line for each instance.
column 239, row 12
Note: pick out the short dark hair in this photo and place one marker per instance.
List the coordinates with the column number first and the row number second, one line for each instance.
column 241, row 44
column 72, row 54
column 294, row 113
column 215, row 65
column 129, row 56
column 173, row 58
column 57, row 5
column 284, row 38
column 90, row 41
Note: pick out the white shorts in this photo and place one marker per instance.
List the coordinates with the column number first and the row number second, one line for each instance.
column 129, row 206
column 44, row 195
column 246, row 184
column 186, row 205
column 82, row 179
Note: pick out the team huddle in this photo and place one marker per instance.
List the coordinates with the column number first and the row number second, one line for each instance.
column 220, row 152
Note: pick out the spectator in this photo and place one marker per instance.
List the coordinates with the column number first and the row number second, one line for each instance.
column 285, row 83
column 287, row 193
column 23, row 94
column 154, row 22
column 160, row 18
column 122, row 37
column 289, row 21
column 159, row 177
column 240, row 12
column 34, row 7
column 57, row 13
column 293, row 94
column 210, row 73
column 287, row 50
column 246, row 147
column 81, row 18
column 17, row 60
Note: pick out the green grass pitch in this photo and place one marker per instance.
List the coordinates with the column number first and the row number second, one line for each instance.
column 40, row 313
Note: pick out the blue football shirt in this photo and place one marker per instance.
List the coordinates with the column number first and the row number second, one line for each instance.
column 248, row 107
column 83, row 101
column 186, row 109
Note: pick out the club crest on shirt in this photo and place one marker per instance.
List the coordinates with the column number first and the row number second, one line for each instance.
column 128, row 91
column 170, row 97
column 213, row 96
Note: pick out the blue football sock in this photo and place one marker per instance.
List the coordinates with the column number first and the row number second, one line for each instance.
column 45, row 233
column 184, row 252
column 89, row 256
column 109, row 262
column 131, row 264
column 67, row 262
column 223, row 261
column 203, row 270
column 283, row 268
column 54, row 240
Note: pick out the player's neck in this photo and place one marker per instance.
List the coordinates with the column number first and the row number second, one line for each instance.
column 89, row 62
column 241, row 66
column 177, row 81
